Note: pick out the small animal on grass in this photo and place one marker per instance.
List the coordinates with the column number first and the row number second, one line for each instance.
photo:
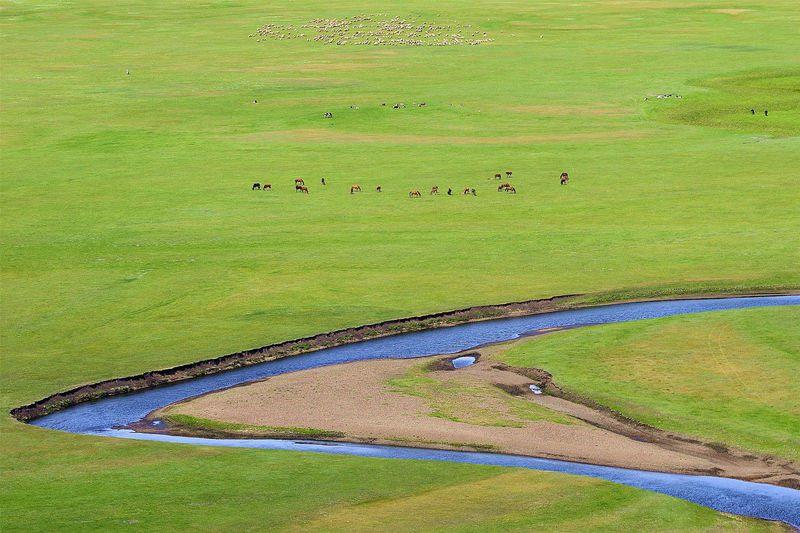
column 752, row 111
column 497, row 176
column 414, row 193
column 266, row 187
column 328, row 114
column 255, row 101
column 435, row 189
column 422, row 104
column 472, row 191
column 511, row 189
column 256, row 187
column 323, row 181
column 503, row 187
column 466, row 191
column 299, row 181
column 301, row 188
column 378, row 189
column 355, row 188
column 564, row 178
column 766, row 113
column 508, row 173
column 449, row 191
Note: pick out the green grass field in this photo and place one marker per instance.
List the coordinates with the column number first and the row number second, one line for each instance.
column 728, row 377
column 131, row 240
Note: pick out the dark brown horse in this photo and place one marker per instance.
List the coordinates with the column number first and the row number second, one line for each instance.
column 378, row 189
column 564, row 178
column 266, row 186
column 414, row 193
column 503, row 187
column 256, row 187
column 435, row 189
column 299, row 181
column 508, row 173
column 497, row 176
column 301, row 188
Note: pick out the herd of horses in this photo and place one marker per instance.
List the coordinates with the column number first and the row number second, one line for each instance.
column 300, row 186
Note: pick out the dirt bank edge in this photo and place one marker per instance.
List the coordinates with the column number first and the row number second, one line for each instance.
column 155, row 378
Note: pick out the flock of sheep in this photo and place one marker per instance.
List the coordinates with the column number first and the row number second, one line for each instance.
column 375, row 30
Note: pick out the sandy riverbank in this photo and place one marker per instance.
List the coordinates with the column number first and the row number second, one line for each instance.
column 424, row 403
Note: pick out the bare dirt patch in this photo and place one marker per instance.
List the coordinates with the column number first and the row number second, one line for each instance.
column 484, row 406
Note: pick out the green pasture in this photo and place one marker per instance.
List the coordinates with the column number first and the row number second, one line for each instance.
column 728, row 377
column 131, row 239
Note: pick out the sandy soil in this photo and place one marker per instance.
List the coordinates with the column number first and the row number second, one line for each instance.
column 357, row 400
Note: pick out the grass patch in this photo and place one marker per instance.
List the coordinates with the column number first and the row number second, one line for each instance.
column 726, row 377
column 728, row 102
column 471, row 402
column 232, row 428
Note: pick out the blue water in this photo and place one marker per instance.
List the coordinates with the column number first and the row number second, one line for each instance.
column 461, row 362
column 733, row 496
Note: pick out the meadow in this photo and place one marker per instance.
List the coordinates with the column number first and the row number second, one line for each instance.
column 131, row 239
column 726, row 378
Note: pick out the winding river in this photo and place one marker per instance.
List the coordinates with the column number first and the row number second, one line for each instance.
column 101, row 417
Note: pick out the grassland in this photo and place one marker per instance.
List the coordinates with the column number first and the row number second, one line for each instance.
column 728, row 377
column 131, row 240
column 473, row 403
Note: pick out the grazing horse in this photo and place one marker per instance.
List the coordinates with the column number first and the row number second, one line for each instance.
column 449, row 191
column 256, row 187
column 355, row 188
column 564, row 178
column 301, row 188
column 299, row 181
column 435, row 189
column 328, row 115
column 378, row 189
column 266, row 186
column 323, row 181
column 508, row 173
column 466, row 191
column 503, row 187
column 497, row 176
column 415, row 193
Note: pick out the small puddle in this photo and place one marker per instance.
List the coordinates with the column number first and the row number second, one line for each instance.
column 535, row 389
column 461, row 362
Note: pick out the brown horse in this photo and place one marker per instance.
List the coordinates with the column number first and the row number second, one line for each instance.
column 508, row 173
column 299, row 181
column 256, row 187
column 378, row 189
column 355, row 188
column 564, row 178
column 301, row 188
column 497, row 176
column 266, row 186
column 435, row 189
column 466, row 191
column 503, row 187
column 415, row 193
